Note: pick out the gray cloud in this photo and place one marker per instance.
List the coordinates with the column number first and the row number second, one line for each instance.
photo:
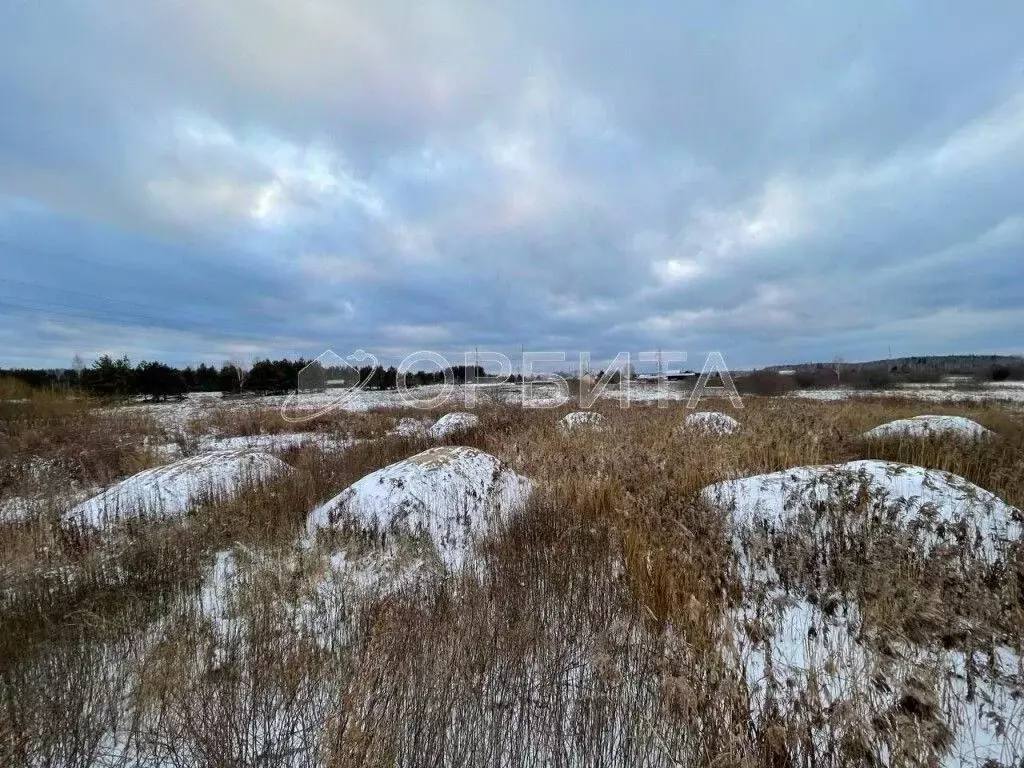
column 233, row 178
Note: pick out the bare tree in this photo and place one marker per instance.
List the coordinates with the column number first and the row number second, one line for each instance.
column 78, row 365
column 242, row 368
column 837, row 366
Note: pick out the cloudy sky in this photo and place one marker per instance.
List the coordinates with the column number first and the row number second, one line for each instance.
column 785, row 181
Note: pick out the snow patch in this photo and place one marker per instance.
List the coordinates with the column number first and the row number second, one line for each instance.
column 582, row 420
column 284, row 441
column 453, row 424
column 410, row 427
column 712, row 422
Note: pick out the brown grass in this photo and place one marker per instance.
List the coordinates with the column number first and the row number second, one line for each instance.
column 598, row 634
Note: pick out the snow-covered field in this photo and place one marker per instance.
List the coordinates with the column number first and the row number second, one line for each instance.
column 539, row 394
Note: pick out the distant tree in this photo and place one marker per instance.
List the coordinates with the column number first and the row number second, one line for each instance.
column 206, row 378
column 269, row 377
column 109, row 377
column 837, row 367
column 229, row 379
column 241, row 370
column 158, row 381
column 999, row 373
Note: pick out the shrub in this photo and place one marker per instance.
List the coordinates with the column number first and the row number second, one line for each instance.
column 765, row 383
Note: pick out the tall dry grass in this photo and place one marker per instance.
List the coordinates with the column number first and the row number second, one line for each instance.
column 601, row 631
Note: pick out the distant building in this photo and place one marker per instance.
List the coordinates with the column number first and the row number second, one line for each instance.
column 669, row 375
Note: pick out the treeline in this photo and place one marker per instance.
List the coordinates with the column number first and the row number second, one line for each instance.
column 920, row 369
column 875, row 375
column 118, row 377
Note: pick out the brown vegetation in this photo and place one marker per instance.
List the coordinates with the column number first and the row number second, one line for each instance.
column 598, row 634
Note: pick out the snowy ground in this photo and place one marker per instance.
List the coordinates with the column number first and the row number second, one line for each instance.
column 1007, row 392
column 939, row 507
column 540, row 394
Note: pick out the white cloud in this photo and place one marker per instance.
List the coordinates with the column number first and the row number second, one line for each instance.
column 674, row 271
column 985, row 140
column 332, row 269
column 415, row 334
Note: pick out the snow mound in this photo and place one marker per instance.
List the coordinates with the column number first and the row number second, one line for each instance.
column 453, row 424
column 926, row 426
column 936, row 507
column 582, row 420
column 804, row 646
column 170, row 490
column 451, row 495
column 712, row 422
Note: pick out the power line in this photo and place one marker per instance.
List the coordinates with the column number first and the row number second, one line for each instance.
column 52, row 289
column 120, row 267
column 59, row 310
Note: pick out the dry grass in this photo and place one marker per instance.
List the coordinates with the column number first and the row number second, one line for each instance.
column 601, row 632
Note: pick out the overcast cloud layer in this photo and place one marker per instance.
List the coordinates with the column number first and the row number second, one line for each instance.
column 779, row 181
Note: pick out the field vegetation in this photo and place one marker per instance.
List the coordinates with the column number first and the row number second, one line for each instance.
column 606, row 627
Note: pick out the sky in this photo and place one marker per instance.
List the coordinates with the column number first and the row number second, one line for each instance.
column 239, row 179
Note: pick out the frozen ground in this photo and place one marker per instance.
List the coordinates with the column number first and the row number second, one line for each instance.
column 48, row 491
column 539, row 394
column 284, row 441
column 276, row 443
